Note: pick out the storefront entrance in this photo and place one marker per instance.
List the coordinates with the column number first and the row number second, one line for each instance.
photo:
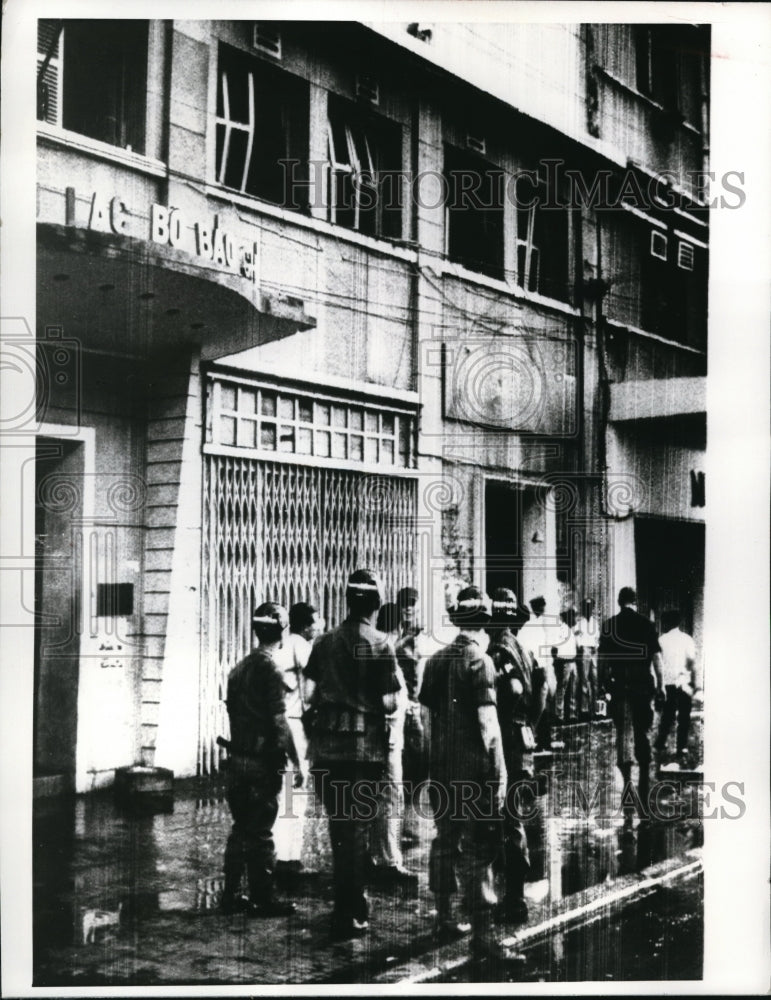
column 285, row 532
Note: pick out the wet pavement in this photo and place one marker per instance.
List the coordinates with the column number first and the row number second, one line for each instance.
column 658, row 937
column 121, row 898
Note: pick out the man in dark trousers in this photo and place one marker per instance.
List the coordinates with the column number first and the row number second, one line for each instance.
column 628, row 647
column 356, row 682
column 468, row 773
column 521, row 694
column 260, row 743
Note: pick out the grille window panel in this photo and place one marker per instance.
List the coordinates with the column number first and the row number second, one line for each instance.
column 280, row 531
column 266, row 419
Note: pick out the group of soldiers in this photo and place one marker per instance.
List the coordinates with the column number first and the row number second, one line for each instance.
column 359, row 707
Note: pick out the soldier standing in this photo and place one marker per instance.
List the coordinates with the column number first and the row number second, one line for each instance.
column 521, row 693
column 629, row 645
column 261, row 742
column 354, row 670
column 465, row 762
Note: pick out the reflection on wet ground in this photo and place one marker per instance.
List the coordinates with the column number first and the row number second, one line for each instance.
column 658, row 938
column 124, row 898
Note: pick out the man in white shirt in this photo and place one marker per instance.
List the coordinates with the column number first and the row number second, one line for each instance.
column 304, row 626
column 678, row 654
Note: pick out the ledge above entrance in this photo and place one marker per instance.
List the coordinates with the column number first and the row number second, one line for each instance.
column 657, row 399
column 134, row 296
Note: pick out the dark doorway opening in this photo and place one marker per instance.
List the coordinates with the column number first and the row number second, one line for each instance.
column 58, row 574
column 670, row 569
column 504, row 558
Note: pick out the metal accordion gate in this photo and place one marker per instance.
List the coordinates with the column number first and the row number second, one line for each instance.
column 275, row 530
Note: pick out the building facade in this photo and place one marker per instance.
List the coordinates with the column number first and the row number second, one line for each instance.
column 430, row 298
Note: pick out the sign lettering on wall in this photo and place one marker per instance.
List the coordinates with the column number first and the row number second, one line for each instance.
column 170, row 227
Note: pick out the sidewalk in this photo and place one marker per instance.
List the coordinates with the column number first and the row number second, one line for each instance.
column 122, row 899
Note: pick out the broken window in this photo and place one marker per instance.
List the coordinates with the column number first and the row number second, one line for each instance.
column 92, row 79
column 364, row 155
column 262, row 129
column 542, row 240
column 475, row 190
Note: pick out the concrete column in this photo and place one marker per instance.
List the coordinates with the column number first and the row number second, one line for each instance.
column 177, row 738
column 172, row 569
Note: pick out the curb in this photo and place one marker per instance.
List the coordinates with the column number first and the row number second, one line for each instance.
column 594, row 902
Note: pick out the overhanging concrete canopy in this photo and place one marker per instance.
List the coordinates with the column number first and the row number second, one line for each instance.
column 657, row 399
column 122, row 294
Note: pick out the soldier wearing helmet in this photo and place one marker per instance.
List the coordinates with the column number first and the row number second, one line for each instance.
column 260, row 744
column 356, row 679
column 466, row 756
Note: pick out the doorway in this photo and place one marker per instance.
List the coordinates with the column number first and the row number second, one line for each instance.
column 59, row 469
column 670, row 570
column 504, row 556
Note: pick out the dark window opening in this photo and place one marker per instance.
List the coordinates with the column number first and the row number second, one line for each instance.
column 475, row 192
column 365, row 156
column 92, row 79
column 657, row 61
column 542, row 237
column 262, row 129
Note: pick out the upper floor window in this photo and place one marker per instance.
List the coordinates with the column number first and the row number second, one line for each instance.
column 656, row 63
column 542, row 240
column 365, row 155
column 262, row 129
column 474, row 216
column 673, row 286
column 92, row 79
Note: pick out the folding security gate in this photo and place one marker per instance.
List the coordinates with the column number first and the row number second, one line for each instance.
column 275, row 530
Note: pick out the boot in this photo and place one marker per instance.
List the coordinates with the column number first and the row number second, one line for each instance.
column 233, row 900
column 447, row 926
column 262, row 901
column 488, row 954
column 512, row 909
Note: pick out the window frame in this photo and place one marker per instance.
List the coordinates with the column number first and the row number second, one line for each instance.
column 492, row 268
column 144, row 139
column 148, row 155
column 532, row 243
column 370, row 129
column 263, row 76
column 377, row 435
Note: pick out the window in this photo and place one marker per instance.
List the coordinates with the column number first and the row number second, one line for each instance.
column 365, row 155
column 262, row 120
column 474, row 212
column 269, row 419
column 673, row 287
column 657, row 63
column 92, row 79
column 542, row 239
